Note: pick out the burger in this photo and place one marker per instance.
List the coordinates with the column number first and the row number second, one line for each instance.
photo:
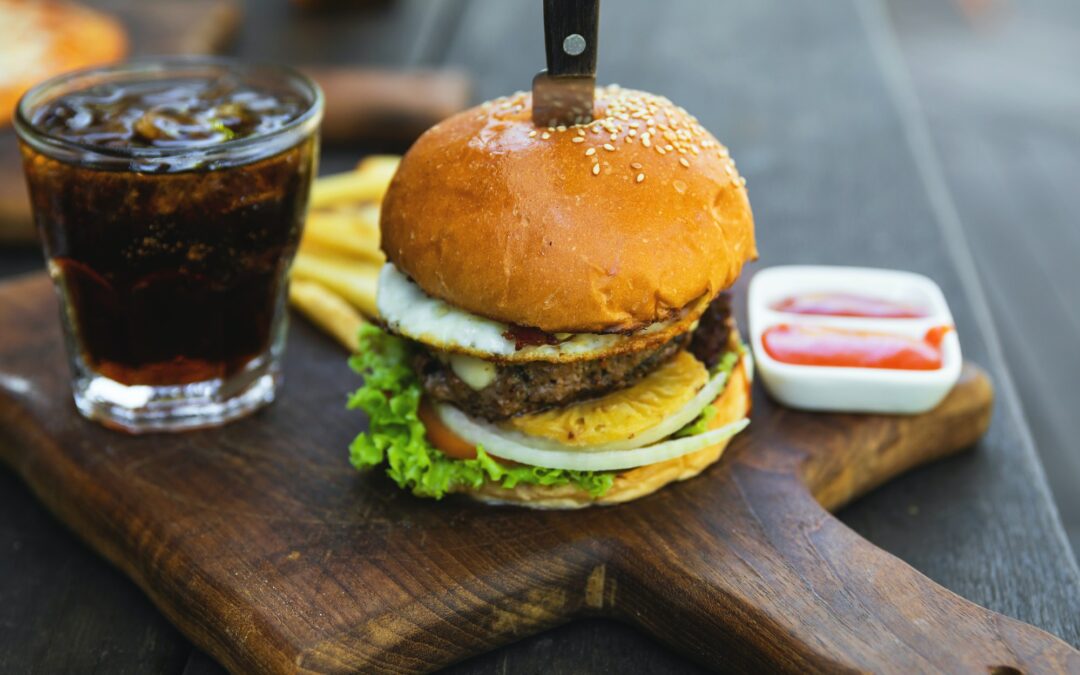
column 555, row 328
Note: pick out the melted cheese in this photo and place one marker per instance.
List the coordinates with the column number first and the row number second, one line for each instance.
column 474, row 372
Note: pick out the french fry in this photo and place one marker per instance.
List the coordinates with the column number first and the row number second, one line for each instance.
column 369, row 214
column 336, row 271
column 351, row 279
column 349, row 232
column 367, row 184
column 327, row 310
column 385, row 165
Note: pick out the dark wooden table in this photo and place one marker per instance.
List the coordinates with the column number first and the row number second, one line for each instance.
column 817, row 104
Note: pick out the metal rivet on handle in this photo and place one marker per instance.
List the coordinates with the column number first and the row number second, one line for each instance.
column 574, row 44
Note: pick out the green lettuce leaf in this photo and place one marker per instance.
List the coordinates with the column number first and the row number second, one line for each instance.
column 390, row 395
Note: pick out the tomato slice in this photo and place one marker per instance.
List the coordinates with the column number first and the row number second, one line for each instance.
column 440, row 435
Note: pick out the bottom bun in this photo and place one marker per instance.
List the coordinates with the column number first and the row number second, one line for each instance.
column 732, row 405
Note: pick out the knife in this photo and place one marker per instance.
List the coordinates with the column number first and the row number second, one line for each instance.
column 563, row 94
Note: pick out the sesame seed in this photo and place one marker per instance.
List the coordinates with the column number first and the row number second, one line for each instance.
column 578, row 139
column 532, row 134
column 561, row 128
column 684, row 162
column 590, row 152
column 545, row 135
column 635, row 165
column 580, row 131
column 640, row 177
column 609, row 147
column 661, row 150
column 645, row 141
column 596, row 169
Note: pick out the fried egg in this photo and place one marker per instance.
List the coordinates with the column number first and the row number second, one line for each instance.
column 408, row 310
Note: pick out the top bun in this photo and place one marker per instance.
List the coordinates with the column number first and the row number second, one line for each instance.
column 612, row 225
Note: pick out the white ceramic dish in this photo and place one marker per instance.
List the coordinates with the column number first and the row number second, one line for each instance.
column 870, row 390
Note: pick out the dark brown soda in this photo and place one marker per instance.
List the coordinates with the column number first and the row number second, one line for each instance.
column 173, row 273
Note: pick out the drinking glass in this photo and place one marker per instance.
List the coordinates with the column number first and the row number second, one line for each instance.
column 169, row 196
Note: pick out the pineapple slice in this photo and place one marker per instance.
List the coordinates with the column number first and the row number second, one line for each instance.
column 622, row 414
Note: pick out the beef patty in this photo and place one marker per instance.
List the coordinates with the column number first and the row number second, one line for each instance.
column 713, row 332
column 530, row 387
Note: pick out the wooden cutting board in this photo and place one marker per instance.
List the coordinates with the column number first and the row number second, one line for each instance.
column 270, row 552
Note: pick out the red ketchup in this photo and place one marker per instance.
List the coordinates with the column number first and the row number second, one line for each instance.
column 818, row 346
column 847, row 304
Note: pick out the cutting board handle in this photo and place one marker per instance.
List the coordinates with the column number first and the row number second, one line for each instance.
column 825, row 600
column 819, row 598
column 318, row 570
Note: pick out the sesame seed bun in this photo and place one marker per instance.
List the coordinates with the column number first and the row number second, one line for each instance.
column 613, row 225
column 732, row 405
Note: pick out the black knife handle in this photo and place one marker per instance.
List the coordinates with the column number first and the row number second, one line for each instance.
column 565, row 18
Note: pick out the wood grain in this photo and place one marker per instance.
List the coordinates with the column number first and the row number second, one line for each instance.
column 63, row 611
column 1010, row 152
column 261, row 544
column 798, row 92
column 795, row 91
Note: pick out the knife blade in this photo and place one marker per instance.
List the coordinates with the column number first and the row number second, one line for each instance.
column 563, row 93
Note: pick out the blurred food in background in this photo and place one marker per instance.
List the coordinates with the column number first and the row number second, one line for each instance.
column 41, row 39
column 45, row 38
column 335, row 272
